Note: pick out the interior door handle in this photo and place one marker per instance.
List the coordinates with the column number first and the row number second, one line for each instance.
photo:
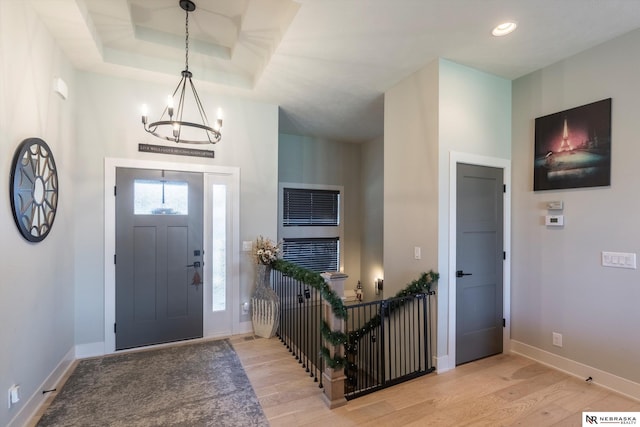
column 461, row 273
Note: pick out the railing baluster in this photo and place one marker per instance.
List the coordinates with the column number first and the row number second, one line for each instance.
column 316, row 336
column 305, row 318
column 318, row 340
column 300, row 320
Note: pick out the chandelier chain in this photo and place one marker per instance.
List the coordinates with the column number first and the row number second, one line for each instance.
column 186, row 42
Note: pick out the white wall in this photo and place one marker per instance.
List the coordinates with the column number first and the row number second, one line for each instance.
column 308, row 160
column 372, row 192
column 36, row 284
column 558, row 282
column 443, row 108
column 108, row 125
column 410, row 178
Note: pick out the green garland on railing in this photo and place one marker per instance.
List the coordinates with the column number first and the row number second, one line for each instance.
column 418, row 286
column 336, row 362
column 316, row 281
column 338, row 308
column 333, row 337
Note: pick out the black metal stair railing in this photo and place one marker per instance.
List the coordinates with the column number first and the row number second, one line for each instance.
column 389, row 342
column 300, row 321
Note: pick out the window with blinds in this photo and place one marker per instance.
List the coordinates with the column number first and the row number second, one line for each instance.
column 315, row 254
column 310, row 207
column 310, row 225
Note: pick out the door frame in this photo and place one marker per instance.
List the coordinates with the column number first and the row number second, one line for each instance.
column 505, row 165
column 110, row 165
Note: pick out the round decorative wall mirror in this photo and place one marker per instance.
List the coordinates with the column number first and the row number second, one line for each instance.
column 34, row 189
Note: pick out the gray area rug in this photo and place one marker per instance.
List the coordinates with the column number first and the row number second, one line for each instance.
column 200, row 384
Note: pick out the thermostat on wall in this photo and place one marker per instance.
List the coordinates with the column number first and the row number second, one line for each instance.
column 554, row 220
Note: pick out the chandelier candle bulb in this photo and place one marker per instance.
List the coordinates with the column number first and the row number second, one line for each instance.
column 218, row 124
column 145, row 113
column 170, row 105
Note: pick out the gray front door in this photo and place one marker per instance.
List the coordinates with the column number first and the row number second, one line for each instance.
column 479, row 258
column 158, row 257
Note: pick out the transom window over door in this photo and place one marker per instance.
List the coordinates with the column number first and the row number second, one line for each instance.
column 160, row 197
column 310, row 226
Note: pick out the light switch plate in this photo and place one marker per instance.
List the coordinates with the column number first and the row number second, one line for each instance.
column 619, row 260
column 555, row 205
column 13, row 395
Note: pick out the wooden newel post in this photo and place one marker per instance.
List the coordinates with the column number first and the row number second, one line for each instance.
column 333, row 379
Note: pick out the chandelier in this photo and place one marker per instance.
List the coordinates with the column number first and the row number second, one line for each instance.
column 171, row 124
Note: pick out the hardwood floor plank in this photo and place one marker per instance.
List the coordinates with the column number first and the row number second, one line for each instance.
column 525, row 387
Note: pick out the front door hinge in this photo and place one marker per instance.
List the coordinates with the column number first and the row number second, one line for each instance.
column 504, row 255
column 114, row 258
column 504, row 188
column 504, row 322
column 114, row 328
column 114, row 190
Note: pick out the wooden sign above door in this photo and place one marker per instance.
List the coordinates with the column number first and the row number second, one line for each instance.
column 177, row 151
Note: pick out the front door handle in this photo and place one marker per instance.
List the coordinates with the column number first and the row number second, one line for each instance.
column 461, row 273
column 195, row 264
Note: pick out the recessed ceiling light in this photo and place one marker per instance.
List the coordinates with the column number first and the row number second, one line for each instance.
column 504, row 29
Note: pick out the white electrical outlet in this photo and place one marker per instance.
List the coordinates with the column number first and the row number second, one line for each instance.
column 557, row 339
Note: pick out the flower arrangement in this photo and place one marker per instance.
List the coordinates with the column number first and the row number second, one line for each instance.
column 265, row 251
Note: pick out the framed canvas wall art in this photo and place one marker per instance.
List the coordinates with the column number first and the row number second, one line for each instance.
column 573, row 148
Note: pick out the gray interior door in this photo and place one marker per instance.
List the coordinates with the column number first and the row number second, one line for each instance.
column 479, row 258
column 158, row 257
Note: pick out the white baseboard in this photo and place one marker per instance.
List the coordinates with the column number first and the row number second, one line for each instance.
column 442, row 364
column 92, row 349
column 244, row 328
column 580, row 370
column 36, row 400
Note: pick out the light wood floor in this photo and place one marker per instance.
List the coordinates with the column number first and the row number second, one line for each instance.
column 503, row 390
